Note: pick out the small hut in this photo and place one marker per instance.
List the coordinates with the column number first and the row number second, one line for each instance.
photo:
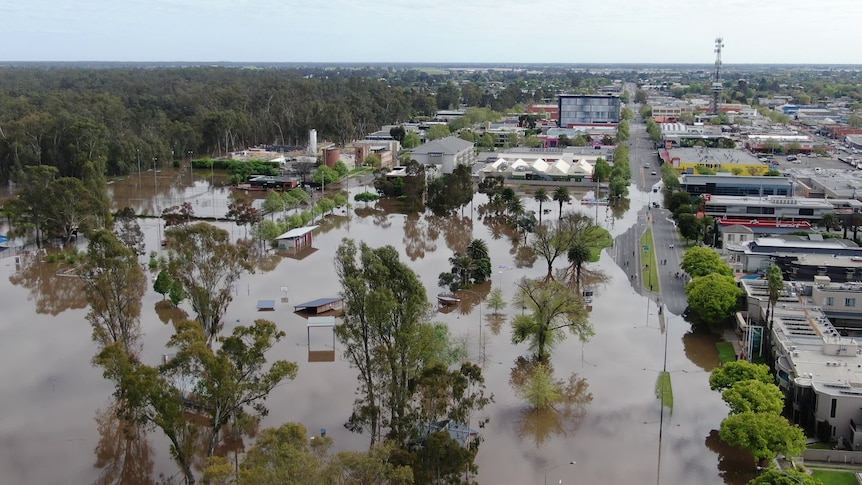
column 298, row 238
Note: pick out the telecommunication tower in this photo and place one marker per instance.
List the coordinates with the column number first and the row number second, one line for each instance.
column 716, row 80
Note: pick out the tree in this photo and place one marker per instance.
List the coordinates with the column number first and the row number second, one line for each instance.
column 372, row 160
column 730, row 373
column 477, row 250
column 241, row 210
column 163, row 283
column 765, row 435
column 178, row 215
column 784, row 477
column 701, row 261
column 398, row 133
column 114, row 283
column 366, row 197
column 561, row 195
column 601, row 171
column 411, row 140
column 541, row 196
column 688, row 225
column 830, row 221
column 224, row 382
column 551, row 242
column 69, row 206
column 552, row 309
column 206, row 266
column 437, row 131
column 496, row 302
column 774, row 288
column 129, row 231
column 385, row 304
column 326, row 176
column 712, row 297
column 754, row 396
column 640, row 96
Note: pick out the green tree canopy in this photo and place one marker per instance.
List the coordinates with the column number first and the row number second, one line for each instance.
column 784, row 477
column 437, row 131
column 730, row 373
column 712, row 297
column 701, row 261
column 765, row 435
column 754, row 396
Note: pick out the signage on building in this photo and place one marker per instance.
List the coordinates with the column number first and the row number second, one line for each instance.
column 765, row 223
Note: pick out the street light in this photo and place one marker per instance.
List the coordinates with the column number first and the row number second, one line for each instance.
column 191, row 167
column 555, row 467
column 155, row 180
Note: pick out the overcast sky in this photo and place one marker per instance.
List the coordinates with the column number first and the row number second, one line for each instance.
column 497, row 31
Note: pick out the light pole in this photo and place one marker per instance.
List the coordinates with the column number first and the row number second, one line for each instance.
column 479, row 299
column 547, row 469
column 191, row 167
column 155, row 180
column 139, row 166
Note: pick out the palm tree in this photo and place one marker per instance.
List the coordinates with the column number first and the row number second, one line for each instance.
column 578, row 255
column 774, row 284
column 477, row 250
column 515, row 207
column 562, row 196
column 462, row 265
column 830, row 221
column 541, row 197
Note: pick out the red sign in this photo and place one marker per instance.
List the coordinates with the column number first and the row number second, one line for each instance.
column 765, row 223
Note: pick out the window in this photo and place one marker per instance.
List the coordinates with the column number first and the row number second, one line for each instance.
column 850, row 302
column 829, row 301
column 834, row 407
column 730, row 238
column 806, row 212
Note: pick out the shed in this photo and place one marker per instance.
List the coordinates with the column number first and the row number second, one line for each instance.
column 320, row 305
column 265, row 305
column 298, row 238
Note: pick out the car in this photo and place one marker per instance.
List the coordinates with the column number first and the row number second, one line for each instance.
column 652, row 173
column 646, row 165
column 792, row 158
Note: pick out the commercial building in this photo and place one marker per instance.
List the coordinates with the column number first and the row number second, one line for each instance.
column 729, row 160
column 446, row 153
column 588, row 109
column 819, row 369
column 733, row 185
column 772, row 207
column 799, row 257
column 539, row 169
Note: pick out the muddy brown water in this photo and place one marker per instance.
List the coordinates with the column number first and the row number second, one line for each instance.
column 55, row 426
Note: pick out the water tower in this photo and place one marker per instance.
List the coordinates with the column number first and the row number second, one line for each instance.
column 312, row 143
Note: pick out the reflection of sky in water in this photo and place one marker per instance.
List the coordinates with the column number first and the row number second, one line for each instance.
column 51, row 391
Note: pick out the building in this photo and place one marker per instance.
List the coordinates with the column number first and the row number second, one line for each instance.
column 841, row 302
column 727, row 184
column 729, row 160
column 682, row 135
column 773, row 207
column 551, row 111
column 827, row 183
column 799, row 257
column 387, row 151
column 819, row 369
column 539, row 169
column 446, row 153
column 588, row 109
column 778, row 142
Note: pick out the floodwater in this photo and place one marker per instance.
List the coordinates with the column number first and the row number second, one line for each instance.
column 57, row 425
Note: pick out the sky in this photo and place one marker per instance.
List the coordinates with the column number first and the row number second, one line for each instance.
column 432, row 31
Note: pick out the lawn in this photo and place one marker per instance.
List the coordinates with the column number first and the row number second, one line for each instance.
column 726, row 352
column 664, row 390
column 605, row 241
column 649, row 272
column 830, row 477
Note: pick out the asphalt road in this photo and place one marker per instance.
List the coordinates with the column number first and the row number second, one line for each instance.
column 667, row 243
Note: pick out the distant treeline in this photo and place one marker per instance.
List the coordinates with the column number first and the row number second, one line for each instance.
column 120, row 118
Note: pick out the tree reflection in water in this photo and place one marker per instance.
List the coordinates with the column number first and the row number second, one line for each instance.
column 170, row 313
column 736, row 466
column 123, row 453
column 619, row 206
column 54, row 287
column 418, row 238
column 564, row 417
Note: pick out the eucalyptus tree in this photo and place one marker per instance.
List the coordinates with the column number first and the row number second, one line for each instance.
column 551, row 309
column 206, row 266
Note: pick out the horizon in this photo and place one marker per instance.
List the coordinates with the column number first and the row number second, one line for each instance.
column 772, row 32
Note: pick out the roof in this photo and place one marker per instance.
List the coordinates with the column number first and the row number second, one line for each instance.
column 316, row 303
column 450, row 144
column 298, row 232
column 265, row 304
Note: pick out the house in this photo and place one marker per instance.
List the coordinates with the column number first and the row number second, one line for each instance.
column 445, row 153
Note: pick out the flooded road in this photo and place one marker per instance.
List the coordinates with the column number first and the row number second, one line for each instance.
column 56, row 404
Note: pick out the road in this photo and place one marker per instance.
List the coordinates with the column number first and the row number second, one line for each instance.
column 667, row 243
